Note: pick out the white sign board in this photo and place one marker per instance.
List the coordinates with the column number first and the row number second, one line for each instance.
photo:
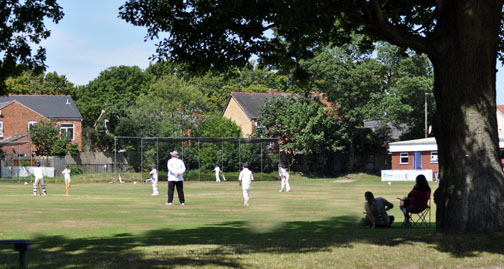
column 405, row 175
column 24, row 171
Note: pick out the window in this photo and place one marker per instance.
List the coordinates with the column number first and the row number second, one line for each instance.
column 433, row 157
column 30, row 124
column 1, row 128
column 404, row 158
column 67, row 129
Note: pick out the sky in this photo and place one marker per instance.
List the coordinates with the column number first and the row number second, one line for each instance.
column 91, row 38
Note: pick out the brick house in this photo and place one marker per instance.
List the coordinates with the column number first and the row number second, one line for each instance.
column 422, row 153
column 415, row 154
column 19, row 112
column 244, row 108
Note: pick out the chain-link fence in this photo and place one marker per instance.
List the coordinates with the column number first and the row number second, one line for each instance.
column 200, row 154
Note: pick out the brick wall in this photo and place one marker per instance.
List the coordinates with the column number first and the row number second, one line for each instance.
column 426, row 162
column 396, row 161
column 77, row 131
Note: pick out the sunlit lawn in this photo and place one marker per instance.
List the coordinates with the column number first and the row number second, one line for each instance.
column 102, row 225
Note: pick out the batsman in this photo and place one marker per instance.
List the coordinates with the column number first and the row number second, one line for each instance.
column 39, row 177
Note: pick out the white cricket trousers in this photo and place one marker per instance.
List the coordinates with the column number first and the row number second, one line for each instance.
column 37, row 180
column 217, row 178
column 246, row 197
column 285, row 185
column 154, row 187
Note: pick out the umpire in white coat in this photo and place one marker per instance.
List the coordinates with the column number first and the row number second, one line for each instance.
column 176, row 169
column 245, row 179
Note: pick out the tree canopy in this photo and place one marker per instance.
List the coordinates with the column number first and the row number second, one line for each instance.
column 113, row 90
column 22, row 24
column 30, row 82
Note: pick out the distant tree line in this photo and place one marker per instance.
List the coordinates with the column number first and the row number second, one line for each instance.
column 164, row 100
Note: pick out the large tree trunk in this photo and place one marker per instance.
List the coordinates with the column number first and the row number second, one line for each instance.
column 470, row 197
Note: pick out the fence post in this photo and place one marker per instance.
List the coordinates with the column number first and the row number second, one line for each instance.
column 141, row 158
column 199, row 160
column 261, row 161
column 115, row 156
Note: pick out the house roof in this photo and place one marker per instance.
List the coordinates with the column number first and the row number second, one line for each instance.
column 395, row 133
column 251, row 103
column 2, row 105
column 423, row 144
column 49, row 106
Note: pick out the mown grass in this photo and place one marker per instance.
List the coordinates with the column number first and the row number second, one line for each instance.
column 103, row 225
column 191, row 175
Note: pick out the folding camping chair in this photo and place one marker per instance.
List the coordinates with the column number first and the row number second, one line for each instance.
column 418, row 208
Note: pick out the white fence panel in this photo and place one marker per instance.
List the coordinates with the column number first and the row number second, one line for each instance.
column 24, row 171
column 405, row 175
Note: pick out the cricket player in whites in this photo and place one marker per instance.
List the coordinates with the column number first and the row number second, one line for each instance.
column 217, row 171
column 284, row 176
column 39, row 177
column 154, row 177
column 66, row 174
column 245, row 180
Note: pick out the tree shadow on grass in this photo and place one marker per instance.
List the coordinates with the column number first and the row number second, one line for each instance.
column 223, row 240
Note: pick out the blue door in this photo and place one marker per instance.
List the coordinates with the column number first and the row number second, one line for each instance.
column 417, row 160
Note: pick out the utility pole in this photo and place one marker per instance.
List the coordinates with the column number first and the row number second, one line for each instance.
column 426, row 130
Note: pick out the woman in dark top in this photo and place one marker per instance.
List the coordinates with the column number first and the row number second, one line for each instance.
column 421, row 188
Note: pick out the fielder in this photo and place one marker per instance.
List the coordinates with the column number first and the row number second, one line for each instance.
column 39, row 177
column 217, row 170
column 154, row 177
column 284, row 176
column 245, row 180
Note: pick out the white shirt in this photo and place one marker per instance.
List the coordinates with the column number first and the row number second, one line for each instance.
column 217, row 170
column 154, row 174
column 38, row 173
column 66, row 173
column 175, row 166
column 282, row 173
column 246, row 178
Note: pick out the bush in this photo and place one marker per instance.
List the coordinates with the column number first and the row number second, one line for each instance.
column 75, row 170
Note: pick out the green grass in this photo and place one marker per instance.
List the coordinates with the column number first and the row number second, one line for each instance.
column 191, row 175
column 103, row 225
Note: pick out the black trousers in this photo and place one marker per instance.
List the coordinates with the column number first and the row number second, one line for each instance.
column 180, row 191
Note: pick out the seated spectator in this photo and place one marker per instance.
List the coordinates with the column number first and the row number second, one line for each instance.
column 376, row 211
column 421, row 188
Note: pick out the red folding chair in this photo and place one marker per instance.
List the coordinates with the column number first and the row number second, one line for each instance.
column 418, row 208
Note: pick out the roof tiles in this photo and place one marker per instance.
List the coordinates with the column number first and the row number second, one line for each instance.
column 49, row 106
